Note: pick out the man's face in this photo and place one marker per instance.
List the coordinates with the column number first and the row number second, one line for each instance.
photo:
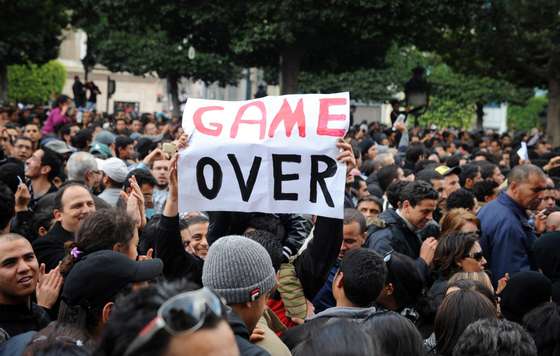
column 370, row 209
column 548, row 200
column 527, row 194
column 494, row 147
column 352, row 238
column 195, row 239
column 136, row 126
column 363, row 191
column 150, row 129
column 77, row 203
column 32, row 131
column 497, row 176
column 438, row 187
column 126, row 152
column 33, row 165
column 160, row 170
column 120, row 126
column 147, row 191
column 23, row 149
column 19, row 270
column 420, row 214
column 451, row 184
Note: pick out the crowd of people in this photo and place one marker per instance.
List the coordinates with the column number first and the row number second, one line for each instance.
column 449, row 246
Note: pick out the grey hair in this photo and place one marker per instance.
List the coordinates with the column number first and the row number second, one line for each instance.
column 521, row 173
column 79, row 164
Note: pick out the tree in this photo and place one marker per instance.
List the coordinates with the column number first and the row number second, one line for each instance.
column 30, row 33
column 515, row 40
column 456, row 97
column 338, row 36
column 33, row 84
column 124, row 36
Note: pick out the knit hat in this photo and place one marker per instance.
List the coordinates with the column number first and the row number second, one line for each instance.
column 238, row 269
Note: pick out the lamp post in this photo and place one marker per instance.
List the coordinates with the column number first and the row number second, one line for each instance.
column 417, row 94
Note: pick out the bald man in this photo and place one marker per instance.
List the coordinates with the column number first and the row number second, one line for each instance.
column 553, row 222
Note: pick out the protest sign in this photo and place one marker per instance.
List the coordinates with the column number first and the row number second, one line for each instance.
column 271, row 155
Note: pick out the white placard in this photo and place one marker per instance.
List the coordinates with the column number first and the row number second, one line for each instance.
column 523, row 152
column 272, row 155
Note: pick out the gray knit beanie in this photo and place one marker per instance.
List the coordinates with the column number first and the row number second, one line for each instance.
column 238, row 269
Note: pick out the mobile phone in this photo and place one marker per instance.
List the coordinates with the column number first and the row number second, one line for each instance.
column 169, row 148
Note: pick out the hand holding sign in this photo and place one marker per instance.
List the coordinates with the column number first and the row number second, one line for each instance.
column 280, row 153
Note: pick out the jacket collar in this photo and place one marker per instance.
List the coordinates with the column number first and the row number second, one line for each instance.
column 506, row 200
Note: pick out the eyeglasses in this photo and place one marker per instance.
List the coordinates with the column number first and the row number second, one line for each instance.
column 478, row 256
column 185, row 312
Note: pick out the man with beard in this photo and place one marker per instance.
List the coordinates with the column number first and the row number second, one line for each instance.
column 506, row 236
column 160, row 170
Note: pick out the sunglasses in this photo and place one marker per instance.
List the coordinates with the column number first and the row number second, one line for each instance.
column 478, row 256
column 185, row 312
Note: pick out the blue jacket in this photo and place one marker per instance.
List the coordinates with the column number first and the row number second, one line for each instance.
column 506, row 237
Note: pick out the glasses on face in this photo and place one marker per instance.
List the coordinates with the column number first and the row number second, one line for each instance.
column 478, row 256
column 185, row 312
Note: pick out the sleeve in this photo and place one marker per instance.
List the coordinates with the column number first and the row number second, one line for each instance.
column 297, row 230
column 177, row 263
column 314, row 264
column 380, row 241
column 218, row 226
column 21, row 224
column 507, row 252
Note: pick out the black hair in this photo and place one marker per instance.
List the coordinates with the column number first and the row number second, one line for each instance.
column 468, row 171
column 364, row 274
column 271, row 243
column 395, row 334
column 7, row 205
column 82, row 138
column 53, row 160
column 122, row 141
column 417, row 191
column 371, row 198
column 497, row 338
column 460, row 198
column 425, row 164
column 25, row 138
column 407, row 281
column 387, row 175
column 452, row 161
column 142, row 177
column 414, row 152
column 459, row 309
column 134, row 311
column 193, row 220
column 100, row 230
column 450, row 250
column 61, row 99
column 394, row 192
column 484, row 189
column 353, row 215
column 60, row 339
column 40, row 219
column 427, row 175
column 543, row 323
column 487, row 170
column 340, row 337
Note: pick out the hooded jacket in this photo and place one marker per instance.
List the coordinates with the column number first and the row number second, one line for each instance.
column 50, row 249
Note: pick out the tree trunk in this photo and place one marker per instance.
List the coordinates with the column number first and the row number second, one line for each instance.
column 290, row 61
column 479, row 115
column 173, row 88
column 553, row 113
column 3, row 84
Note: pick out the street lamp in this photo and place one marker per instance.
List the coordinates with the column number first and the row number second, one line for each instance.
column 417, row 94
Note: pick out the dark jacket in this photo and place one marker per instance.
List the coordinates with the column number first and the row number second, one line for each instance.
column 294, row 336
column 506, row 237
column 15, row 346
column 396, row 236
column 177, row 263
column 50, row 249
column 246, row 348
column 223, row 223
column 18, row 319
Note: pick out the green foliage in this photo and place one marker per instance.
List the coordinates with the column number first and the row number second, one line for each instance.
column 526, row 117
column 448, row 113
column 30, row 30
column 33, row 84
